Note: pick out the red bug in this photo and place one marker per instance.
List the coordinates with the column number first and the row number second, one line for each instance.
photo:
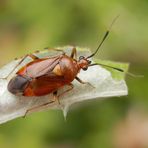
column 46, row 75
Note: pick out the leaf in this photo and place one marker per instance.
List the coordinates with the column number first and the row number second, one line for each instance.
column 12, row 106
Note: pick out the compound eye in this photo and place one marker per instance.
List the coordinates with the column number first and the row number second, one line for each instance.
column 85, row 68
column 89, row 62
column 81, row 57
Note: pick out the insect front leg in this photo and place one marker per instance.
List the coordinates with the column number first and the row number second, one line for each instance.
column 82, row 82
column 32, row 56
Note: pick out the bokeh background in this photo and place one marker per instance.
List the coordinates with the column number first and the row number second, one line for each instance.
column 111, row 123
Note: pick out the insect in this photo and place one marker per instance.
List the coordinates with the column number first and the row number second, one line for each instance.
column 43, row 76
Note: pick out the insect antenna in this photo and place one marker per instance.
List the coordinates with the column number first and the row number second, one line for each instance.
column 104, row 37
column 118, row 69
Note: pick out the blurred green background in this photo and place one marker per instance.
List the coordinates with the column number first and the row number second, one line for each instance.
column 115, row 122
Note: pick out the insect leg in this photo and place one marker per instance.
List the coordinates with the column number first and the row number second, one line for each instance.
column 74, row 53
column 34, row 57
column 20, row 62
column 82, row 82
column 69, row 89
column 55, row 96
column 36, row 107
column 47, row 48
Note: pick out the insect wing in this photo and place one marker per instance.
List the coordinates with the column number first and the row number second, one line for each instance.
column 39, row 67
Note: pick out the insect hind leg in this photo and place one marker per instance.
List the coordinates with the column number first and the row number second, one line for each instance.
column 32, row 56
column 36, row 107
column 56, row 98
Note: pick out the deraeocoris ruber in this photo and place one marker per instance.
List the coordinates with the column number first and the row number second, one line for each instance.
column 42, row 76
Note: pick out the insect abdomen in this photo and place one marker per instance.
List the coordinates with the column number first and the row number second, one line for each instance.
column 18, row 84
